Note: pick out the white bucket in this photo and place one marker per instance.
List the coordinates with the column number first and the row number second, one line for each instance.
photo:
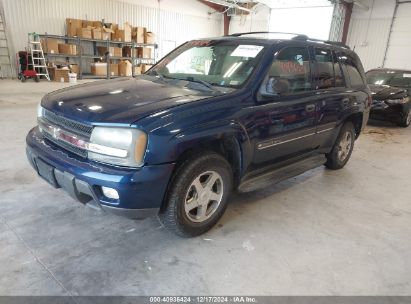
column 72, row 77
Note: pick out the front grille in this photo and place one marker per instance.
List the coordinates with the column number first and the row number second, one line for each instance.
column 68, row 124
column 65, row 146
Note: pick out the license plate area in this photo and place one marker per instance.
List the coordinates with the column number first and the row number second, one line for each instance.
column 46, row 172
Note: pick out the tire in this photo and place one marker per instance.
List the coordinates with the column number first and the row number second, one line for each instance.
column 343, row 147
column 406, row 121
column 191, row 207
column 37, row 79
column 23, row 79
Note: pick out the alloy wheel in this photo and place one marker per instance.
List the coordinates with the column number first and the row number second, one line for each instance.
column 204, row 196
column 344, row 146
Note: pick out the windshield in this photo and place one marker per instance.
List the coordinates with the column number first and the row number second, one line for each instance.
column 391, row 78
column 216, row 63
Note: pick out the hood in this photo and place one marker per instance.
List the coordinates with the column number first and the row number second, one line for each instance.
column 122, row 100
column 384, row 92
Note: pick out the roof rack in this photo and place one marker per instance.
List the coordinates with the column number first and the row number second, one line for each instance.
column 298, row 37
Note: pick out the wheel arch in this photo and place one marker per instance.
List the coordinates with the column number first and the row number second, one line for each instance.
column 230, row 142
column 357, row 119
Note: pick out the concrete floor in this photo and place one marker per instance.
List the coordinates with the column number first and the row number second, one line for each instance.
column 344, row 232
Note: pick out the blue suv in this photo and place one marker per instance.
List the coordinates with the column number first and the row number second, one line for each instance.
column 235, row 112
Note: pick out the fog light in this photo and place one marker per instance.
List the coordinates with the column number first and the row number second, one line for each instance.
column 110, row 192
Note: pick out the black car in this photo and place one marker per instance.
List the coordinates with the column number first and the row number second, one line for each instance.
column 391, row 95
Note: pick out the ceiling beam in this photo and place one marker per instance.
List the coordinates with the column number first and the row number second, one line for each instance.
column 220, row 9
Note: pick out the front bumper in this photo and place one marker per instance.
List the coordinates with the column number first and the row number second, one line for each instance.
column 381, row 111
column 141, row 191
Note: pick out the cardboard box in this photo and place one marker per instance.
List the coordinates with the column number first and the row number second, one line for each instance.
column 96, row 33
column 114, row 51
column 87, row 23
column 107, row 33
column 99, row 69
column 50, row 46
column 125, row 68
column 72, row 25
column 74, row 68
column 123, row 35
column 114, row 69
column 114, row 26
column 150, row 38
column 61, row 75
column 84, row 33
column 128, row 50
column 138, row 34
column 68, row 49
column 145, row 67
column 137, row 70
column 52, row 72
column 101, row 51
column 144, row 52
column 97, row 24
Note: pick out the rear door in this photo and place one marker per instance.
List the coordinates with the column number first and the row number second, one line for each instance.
column 284, row 121
column 332, row 94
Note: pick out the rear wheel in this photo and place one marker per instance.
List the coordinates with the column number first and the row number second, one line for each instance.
column 37, row 79
column 342, row 150
column 198, row 195
column 23, row 79
column 406, row 121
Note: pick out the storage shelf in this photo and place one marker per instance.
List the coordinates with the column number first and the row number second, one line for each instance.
column 60, row 55
column 91, row 76
column 78, row 42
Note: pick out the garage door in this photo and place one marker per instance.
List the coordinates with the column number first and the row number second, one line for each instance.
column 399, row 48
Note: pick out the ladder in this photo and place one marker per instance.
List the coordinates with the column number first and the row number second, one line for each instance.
column 37, row 56
column 5, row 62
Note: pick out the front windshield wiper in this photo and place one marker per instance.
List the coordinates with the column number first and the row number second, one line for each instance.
column 204, row 83
column 190, row 79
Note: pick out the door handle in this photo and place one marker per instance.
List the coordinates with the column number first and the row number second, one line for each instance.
column 310, row 108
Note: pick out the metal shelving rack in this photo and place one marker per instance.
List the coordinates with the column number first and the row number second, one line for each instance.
column 77, row 41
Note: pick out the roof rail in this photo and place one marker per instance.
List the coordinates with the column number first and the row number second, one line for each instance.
column 298, row 37
column 252, row 33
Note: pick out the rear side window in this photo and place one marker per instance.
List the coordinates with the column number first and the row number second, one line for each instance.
column 353, row 71
column 289, row 73
column 325, row 69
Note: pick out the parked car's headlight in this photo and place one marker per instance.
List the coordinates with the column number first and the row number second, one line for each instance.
column 398, row 101
column 118, row 146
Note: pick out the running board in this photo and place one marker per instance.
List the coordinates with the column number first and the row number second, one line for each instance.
column 278, row 174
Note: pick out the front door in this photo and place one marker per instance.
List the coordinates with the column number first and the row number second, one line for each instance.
column 285, row 118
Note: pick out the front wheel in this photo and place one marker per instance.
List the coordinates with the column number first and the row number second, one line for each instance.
column 406, row 121
column 197, row 195
column 342, row 150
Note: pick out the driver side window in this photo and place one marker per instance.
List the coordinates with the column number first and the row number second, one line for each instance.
column 289, row 73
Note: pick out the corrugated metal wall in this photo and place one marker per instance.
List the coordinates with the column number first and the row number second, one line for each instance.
column 370, row 46
column 172, row 28
column 369, row 31
column 399, row 48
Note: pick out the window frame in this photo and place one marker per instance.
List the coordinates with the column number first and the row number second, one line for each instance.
column 347, row 76
column 276, row 53
column 335, row 57
column 317, row 76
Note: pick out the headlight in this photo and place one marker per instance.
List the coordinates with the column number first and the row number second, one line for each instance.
column 40, row 110
column 118, row 146
column 398, row 101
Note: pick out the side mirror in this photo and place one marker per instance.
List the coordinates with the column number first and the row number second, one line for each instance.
column 274, row 86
